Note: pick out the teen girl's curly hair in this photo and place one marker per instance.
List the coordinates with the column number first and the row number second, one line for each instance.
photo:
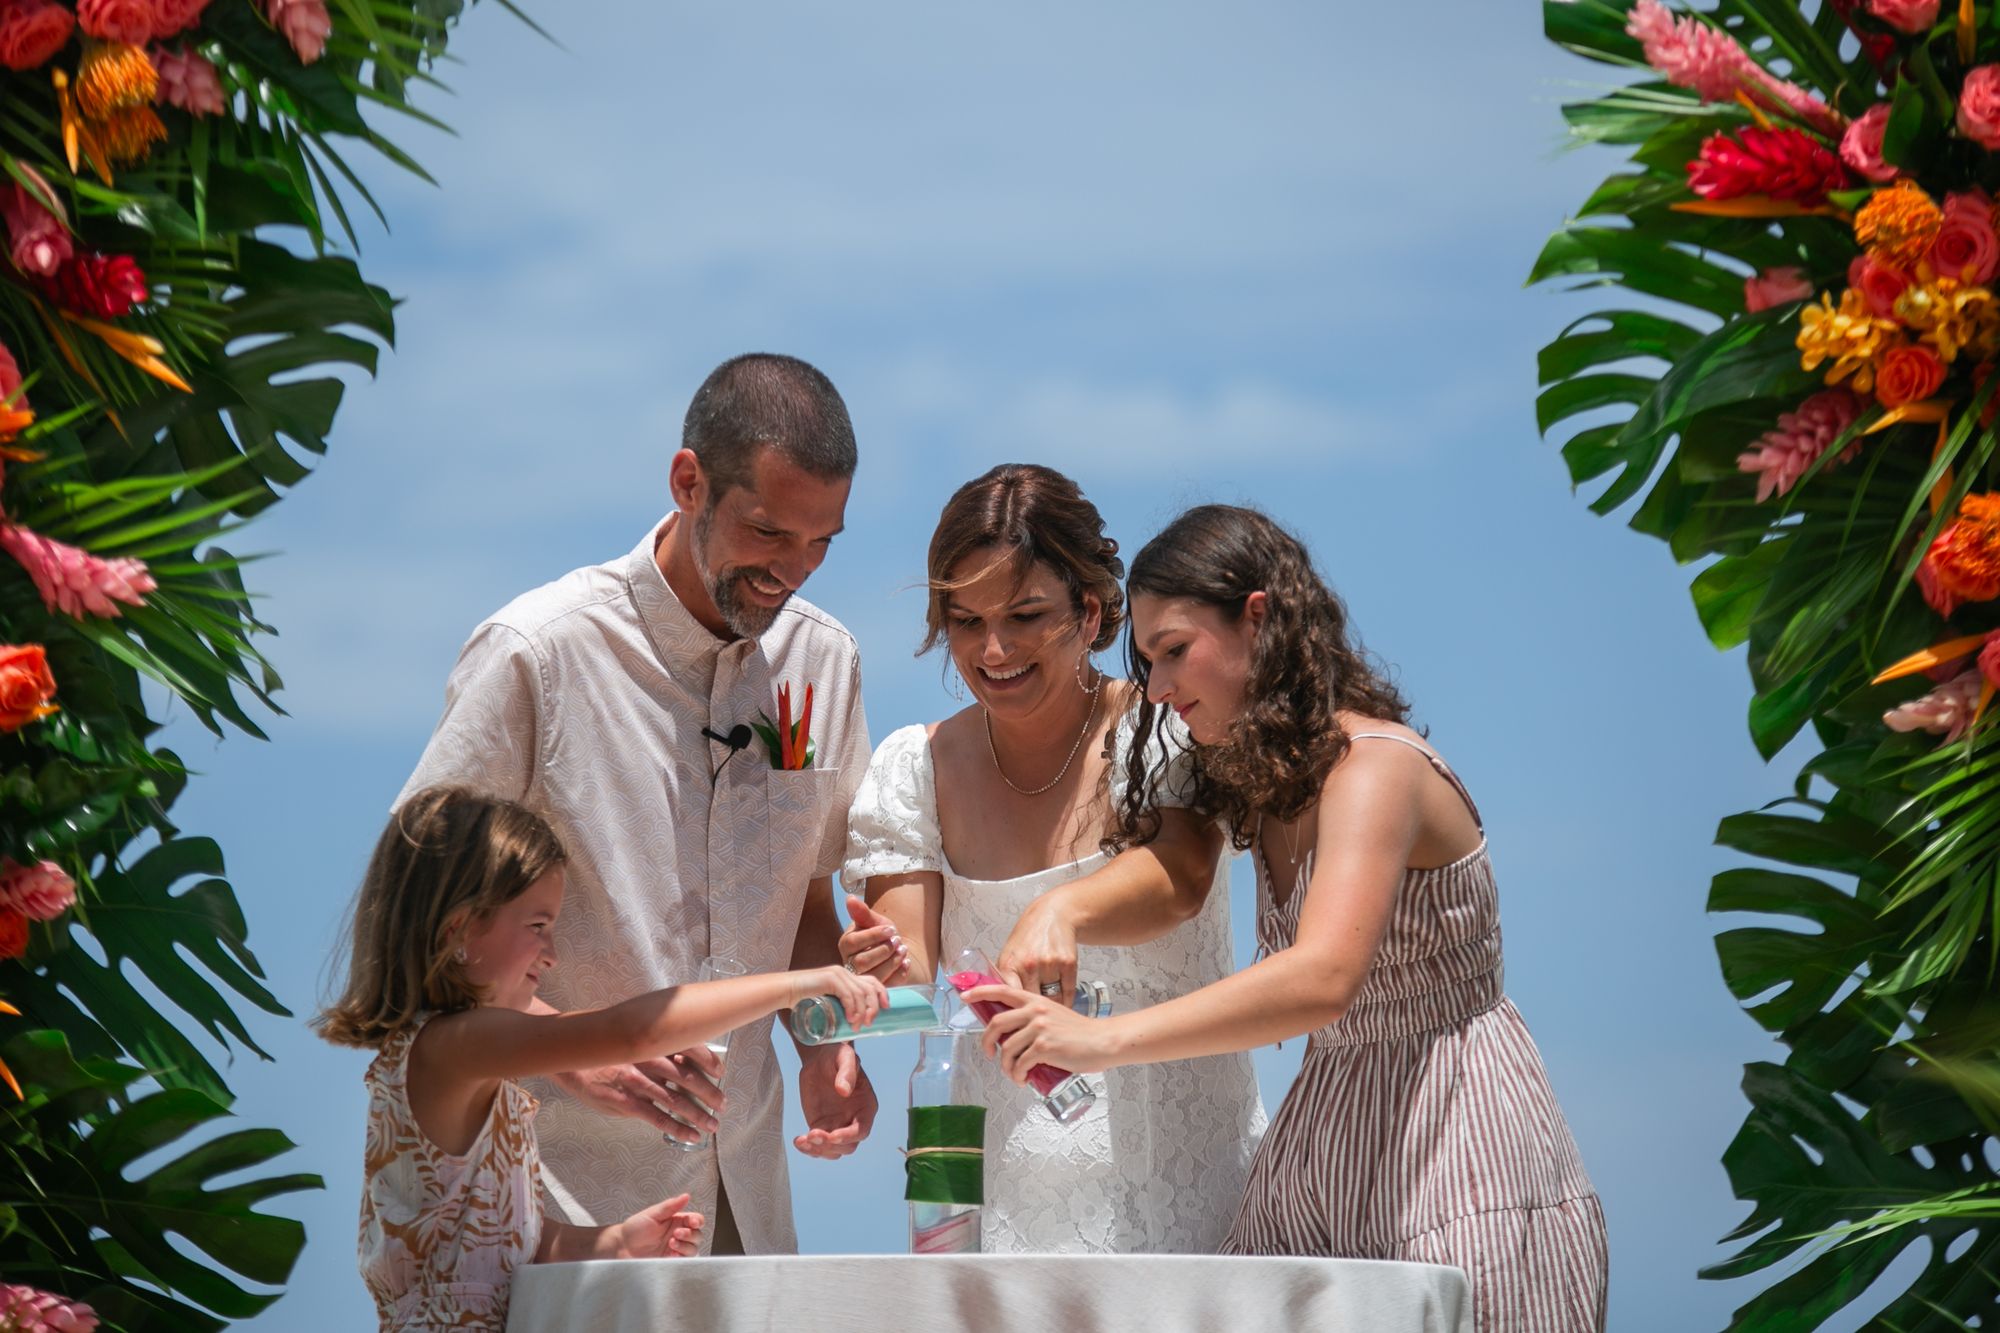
column 1304, row 668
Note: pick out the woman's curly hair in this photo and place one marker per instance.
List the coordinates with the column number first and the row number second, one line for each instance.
column 1304, row 667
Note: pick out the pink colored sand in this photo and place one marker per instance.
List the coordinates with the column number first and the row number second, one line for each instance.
column 1045, row 1079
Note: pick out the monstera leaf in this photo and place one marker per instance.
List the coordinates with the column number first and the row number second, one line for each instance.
column 86, row 1209
column 137, row 918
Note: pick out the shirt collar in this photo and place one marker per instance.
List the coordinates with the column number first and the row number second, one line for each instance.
column 684, row 644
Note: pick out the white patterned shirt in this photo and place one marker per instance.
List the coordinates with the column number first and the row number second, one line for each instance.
column 584, row 700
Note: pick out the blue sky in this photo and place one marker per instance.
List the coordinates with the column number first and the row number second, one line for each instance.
column 1258, row 251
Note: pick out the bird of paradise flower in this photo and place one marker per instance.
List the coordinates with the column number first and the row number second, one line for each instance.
column 6, row 1074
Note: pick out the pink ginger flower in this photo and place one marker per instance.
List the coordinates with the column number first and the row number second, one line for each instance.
column 1783, row 454
column 304, row 23
column 1776, row 286
column 74, row 581
column 40, row 892
column 1696, row 55
column 1947, row 709
column 189, row 81
column 37, row 237
column 25, row 1310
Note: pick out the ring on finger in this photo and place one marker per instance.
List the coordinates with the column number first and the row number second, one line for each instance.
column 1052, row 990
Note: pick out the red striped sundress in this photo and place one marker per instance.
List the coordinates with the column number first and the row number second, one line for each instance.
column 1422, row 1126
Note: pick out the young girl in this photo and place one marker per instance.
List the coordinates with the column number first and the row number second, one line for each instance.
column 453, row 928
column 1421, row 1126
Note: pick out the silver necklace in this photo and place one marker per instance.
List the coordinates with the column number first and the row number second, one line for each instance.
column 993, row 750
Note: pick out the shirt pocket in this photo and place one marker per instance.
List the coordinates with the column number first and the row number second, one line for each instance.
column 795, row 823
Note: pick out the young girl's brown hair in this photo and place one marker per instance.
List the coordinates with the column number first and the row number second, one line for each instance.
column 448, row 858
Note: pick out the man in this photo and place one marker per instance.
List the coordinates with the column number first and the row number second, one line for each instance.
column 615, row 702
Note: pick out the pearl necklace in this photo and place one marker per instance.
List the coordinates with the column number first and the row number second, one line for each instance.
column 993, row 750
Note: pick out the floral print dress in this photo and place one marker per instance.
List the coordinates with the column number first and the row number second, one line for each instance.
column 442, row 1233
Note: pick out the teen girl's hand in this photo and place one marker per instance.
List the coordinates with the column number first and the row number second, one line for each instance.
column 1035, row 1031
column 1041, row 949
column 871, row 946
column 664, row 1231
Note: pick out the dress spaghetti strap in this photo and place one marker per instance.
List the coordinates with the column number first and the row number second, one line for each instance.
column 1443, row 769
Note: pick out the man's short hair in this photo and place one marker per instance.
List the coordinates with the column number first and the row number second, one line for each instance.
column 763, row 398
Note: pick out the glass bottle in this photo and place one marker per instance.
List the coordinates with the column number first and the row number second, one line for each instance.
column 1067, row 1096
column 946, row 1189
column 819, row 1019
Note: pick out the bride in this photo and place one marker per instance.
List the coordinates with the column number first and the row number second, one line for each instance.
column 963, row 825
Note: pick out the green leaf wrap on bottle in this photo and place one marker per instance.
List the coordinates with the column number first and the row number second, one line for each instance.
column 946, row 1160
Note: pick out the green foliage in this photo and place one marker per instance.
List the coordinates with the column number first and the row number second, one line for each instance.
column 117, row 1184
column 1876, row 1131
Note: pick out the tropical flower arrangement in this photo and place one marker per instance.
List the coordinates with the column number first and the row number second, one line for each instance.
column 173, row 200
column 1804, row 401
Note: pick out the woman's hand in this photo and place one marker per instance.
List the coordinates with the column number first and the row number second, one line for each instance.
column 1041, row 951
column 1034, row 1031
column 664, row 1231
column 861, row 997
column 871, row 946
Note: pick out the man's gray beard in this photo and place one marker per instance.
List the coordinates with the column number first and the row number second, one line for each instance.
column 745, row 619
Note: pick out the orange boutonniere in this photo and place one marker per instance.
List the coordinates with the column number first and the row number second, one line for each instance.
column 789, row 742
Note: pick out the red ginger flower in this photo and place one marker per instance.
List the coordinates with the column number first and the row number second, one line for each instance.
column 32, row 31
column 1783, row 454
column 40, row 892
column 25, row 1310
column 13, row 943
column 1784, row 164
column 304, row 23
column 189, row 81
column 1963, row 564
column 101, row 286
column 74, row 581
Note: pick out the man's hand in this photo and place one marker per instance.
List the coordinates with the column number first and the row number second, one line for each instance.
column 838, row 1102
column 684, row 1083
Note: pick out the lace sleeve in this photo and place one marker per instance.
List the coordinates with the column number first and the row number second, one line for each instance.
column 892, row 824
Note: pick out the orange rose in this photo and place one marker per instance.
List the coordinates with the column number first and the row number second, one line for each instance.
column 1907, row 375
column 26, row 685
column 13, row 933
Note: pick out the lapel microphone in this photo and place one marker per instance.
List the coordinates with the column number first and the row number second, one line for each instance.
column 739, row 738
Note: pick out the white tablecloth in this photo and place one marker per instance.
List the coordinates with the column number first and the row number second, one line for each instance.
column 989, row 1294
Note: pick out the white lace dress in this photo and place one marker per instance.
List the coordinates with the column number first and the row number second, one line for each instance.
column 1159, row 1164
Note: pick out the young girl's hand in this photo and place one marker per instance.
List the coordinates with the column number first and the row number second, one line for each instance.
column 663, row 1231
column 860, row 997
